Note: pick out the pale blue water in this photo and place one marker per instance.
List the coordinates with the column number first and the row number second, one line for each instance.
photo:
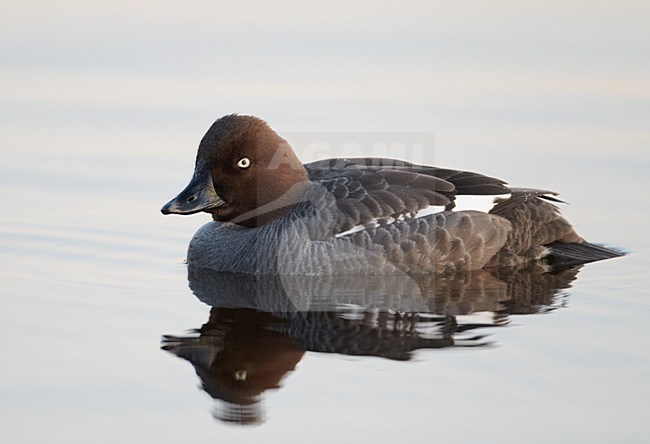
column 102, row 110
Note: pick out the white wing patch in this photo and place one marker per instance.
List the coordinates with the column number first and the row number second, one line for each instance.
column 477, row 203
column 377, row 222
column 463, row 203
column 357, row 228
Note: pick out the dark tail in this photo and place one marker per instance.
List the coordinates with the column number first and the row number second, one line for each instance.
column 563, row 255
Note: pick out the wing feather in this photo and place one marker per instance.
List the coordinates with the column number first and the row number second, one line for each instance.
column 375, row 189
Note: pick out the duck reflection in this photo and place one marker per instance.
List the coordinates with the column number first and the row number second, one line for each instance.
column 259, row 327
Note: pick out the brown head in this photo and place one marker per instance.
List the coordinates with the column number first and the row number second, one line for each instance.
column 244, row 173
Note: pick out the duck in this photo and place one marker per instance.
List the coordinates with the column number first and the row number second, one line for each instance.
column 274, row 215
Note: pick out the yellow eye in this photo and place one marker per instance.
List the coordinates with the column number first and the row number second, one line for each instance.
column 244, row 162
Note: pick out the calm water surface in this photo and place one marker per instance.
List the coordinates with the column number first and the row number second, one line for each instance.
column 108, row 337
column 93, row 277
